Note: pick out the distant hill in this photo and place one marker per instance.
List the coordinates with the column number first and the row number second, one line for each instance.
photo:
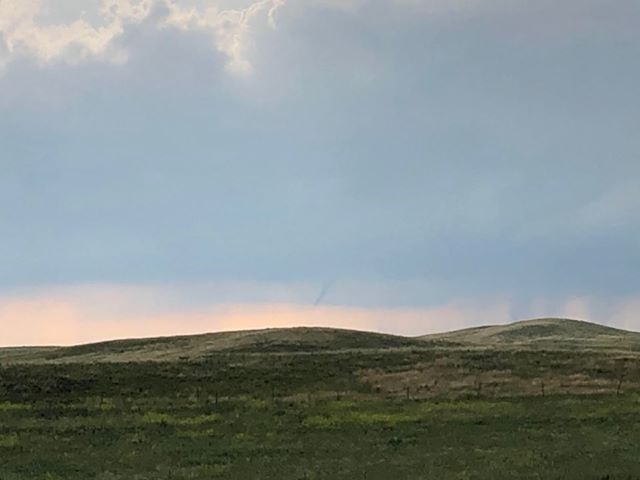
column 552, row 333
column 547, row 333
column 24, row 354
column 285, row 340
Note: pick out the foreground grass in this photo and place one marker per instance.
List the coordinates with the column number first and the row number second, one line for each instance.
column 403, row 414
column 149, row 438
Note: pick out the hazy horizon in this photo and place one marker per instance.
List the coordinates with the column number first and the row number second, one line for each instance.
column 308, row 320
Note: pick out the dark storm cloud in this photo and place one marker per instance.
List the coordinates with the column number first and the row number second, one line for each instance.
column 458, row 149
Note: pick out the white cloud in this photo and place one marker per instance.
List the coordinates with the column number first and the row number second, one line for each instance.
column 25, row 33
column 27, row 30
column 231, row 29
column 76, row 30
column 126, row 9
column 4, row 51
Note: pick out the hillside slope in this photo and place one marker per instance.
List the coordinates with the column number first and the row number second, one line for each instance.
column 198, row 346
column 548, row 333
column 551, row 333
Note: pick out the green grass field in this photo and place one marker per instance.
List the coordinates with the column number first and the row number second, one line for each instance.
column 323, row 404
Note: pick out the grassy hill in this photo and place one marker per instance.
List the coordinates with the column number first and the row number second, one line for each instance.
column 24, row 354
column 546, row 398
column 547, row 333
column 284, row 340
column 544, row 333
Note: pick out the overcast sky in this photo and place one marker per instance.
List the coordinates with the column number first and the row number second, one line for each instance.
column 405, row 166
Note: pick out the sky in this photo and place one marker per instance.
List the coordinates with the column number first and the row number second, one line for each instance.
column 404, row 166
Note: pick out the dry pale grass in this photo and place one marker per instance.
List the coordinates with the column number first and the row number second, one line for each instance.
column 450, row 376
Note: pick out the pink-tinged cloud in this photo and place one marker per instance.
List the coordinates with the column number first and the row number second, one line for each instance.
column 51, row 322
column 89, row 314
column 95, row 313
column 577, row 308
column 628, row 315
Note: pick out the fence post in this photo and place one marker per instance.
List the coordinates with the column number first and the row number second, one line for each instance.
column 619, row 385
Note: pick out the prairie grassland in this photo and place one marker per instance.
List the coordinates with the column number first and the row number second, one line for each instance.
column 551, row 437
column 371, row 414
column 495, row 403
